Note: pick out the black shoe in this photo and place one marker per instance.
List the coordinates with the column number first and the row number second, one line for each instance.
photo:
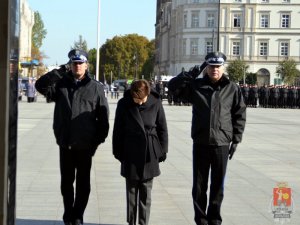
column 77, row 222
column 68, row 223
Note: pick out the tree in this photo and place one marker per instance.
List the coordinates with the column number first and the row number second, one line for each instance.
column 38, row 35
column 251, row 78
column 288, row 71
column 127, row 56
column 92, row 61
column 148, row 66
column 81, row 44
column 237, row 70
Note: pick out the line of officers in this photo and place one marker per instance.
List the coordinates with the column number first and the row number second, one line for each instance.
column 271, row 96
column 266, row 96
column 165, row 94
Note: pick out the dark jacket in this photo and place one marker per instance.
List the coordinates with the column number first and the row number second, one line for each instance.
column 219, row 112
column 140, row 136
column 81, row 110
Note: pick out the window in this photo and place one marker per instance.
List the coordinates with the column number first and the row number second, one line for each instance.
column 195, row 20
column 185, row 20
column 209, row 46
column 277, row 81
column 264, row 1
column 263, row 48
column 284, row 48
column 236, row 48
column 285, row 20
column 286, row 1
column 236, row 20
column 184, row 47
column 194, row 46
column 210, row 19
column 196, row 1
column 264, row 20
column 238, row 0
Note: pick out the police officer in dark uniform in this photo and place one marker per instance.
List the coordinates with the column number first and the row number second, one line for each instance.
column 274, row 96
column 245, row 92
column 298, row 99
column 294, row 97
column 219, row 116
column 80, row 124
column 160, row 88
column 264, row 94
column 253, row 95
column 170, row 97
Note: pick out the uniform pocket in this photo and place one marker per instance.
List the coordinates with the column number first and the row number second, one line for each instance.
column 227, row 132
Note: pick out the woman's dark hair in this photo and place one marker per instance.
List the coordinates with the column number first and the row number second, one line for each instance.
column 140, row 89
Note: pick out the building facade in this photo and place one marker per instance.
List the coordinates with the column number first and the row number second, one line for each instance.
column 26, row 24
column 260, row 32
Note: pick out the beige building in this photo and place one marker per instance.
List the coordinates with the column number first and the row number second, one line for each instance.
column 260, row 32
column 26, row 24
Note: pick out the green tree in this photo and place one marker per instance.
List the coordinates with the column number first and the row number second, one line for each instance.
column 92, row 60
column 126, row 57
column 38, row 35
column 81, row 44
column 147, row 68
column 236, row 70
column 251, row 78
column 288, row 71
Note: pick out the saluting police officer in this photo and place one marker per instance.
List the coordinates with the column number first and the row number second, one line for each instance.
column 219, row 116
column 80, row 124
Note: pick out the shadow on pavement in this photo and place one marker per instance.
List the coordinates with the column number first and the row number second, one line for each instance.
column 50, row 222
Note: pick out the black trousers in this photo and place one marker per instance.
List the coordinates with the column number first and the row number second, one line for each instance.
column 75, row 165
column 30, row 99
column 208, row 159
column 138, row 196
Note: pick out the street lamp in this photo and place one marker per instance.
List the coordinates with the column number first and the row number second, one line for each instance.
column 244, row 75
column 213, row 40
column 98, row 43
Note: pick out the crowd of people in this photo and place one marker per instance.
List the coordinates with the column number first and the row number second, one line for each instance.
column 271, row 96
column 266, row 96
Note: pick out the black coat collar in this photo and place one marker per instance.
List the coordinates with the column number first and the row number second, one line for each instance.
column 72, row 80
column 134, row 108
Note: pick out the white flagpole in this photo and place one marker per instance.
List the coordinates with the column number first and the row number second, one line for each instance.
column 98, row 44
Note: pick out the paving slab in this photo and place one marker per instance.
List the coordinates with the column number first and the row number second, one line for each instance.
column 269, row 153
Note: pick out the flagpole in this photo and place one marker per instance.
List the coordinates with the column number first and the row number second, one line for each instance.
column 98, row 43
column 219, row 19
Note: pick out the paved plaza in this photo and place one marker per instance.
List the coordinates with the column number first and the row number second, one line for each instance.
column 270, row 153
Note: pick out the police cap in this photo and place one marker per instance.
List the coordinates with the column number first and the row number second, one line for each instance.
column 76, row 55
column 215, row 58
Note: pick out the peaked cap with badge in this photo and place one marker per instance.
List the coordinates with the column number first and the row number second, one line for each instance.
column 215, row 58
column 76, row 55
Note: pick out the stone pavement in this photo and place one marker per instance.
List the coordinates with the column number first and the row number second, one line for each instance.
column 270, row 153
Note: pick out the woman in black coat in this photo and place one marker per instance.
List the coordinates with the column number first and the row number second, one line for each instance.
column 140, row 142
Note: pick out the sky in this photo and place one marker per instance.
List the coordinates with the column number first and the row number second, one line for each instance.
column 65, row 20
